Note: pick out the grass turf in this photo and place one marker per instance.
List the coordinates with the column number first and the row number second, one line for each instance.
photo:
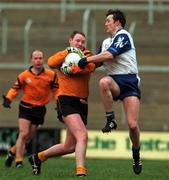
column 98, row 169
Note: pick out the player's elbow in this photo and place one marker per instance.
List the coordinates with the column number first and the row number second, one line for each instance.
column 108, row 55
column 50, row 63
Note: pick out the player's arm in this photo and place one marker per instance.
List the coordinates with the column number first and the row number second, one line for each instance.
column 57, row 59
column 11, row 94
column 54, row 86
column 102, row 57
column 97, row 59
column 120, row 45
column 88, row 69
column 77, row 70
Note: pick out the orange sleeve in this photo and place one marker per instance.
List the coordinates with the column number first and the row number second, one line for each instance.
column 12, row 93
column 14, row 90
column 88, row 69
column 87, row 53
column 57, row 59
column 55, row 87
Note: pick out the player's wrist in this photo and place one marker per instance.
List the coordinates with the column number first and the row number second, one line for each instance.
column 83, row 62
column 6, row 102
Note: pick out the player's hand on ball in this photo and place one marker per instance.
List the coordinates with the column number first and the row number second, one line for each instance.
column 75, row 50
column 6, row 102
column 72, row 50
column 65, row 69
column 82, row 62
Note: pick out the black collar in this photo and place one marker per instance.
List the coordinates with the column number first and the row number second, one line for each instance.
column 30, row 70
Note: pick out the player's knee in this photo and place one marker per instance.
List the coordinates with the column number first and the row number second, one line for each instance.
column 71, row 149
column 104, row 83
column 24, row 135
column 133, row 126
column 28, row 139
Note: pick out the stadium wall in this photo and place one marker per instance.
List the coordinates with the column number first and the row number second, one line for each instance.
column 116, row 145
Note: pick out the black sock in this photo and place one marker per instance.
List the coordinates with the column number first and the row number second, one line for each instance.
column 37, row 158
column 110, row 116
column 11, row 153
column 136, row 152
column 19, row 162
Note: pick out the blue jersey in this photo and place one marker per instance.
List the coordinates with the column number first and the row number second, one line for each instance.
column 122, row 47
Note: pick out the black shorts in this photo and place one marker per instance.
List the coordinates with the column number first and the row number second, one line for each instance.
column 35, row 114
column 72, row 105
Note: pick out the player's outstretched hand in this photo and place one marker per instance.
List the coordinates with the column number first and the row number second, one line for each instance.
column 6, row 102
column 82, row 62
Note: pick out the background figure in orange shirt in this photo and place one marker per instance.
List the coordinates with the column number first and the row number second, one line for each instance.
column 72, row 106
column 36, row 84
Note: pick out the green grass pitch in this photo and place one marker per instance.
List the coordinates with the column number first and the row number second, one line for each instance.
column 98, row 169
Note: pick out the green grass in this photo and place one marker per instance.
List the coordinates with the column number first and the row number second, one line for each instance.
column 98, row 169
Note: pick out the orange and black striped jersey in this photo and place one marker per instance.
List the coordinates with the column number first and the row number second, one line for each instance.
column 36, row 88
column 76, row 85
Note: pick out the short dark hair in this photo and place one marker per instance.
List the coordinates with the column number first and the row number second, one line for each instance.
column 76, row 32
column 117, row 15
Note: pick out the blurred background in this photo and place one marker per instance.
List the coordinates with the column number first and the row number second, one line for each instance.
column 46, row 24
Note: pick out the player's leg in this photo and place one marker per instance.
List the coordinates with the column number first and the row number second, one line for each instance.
column 131, row 108
column 78, row 129
column 10, row 156
column 76, row 135
column 56, row 150
column 24, row 128
column 108, row 90
column 32, row 132
column 12, row 151
column 62, row 149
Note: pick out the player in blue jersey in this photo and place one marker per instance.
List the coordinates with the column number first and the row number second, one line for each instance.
column 118, row 55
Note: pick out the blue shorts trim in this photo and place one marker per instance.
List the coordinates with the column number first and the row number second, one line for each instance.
column 129, row 85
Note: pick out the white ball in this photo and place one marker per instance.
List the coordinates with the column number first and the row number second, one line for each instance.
column 72, row 59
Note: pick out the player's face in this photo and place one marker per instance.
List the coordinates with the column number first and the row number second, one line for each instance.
column 110, row 24
column 37, row 59
column 77, row 41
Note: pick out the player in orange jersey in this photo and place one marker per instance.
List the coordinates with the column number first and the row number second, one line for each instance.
column 36, row 84
column 72, row 106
